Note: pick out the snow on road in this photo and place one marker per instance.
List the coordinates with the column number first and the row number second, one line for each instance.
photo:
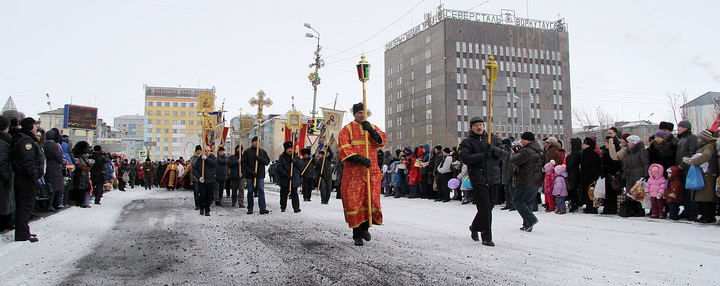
column 422, row 242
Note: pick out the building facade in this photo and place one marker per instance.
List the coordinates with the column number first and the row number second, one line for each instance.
column 702, row 111
column 171, row 119
column 435, row 78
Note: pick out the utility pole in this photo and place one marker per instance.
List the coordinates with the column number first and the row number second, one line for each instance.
column 315, row 77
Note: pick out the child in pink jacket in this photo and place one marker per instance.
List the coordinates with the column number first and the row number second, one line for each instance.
column 655, row 188
column 548, row 187
column 560, row 188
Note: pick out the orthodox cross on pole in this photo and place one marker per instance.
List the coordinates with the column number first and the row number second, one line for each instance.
column 260, row 102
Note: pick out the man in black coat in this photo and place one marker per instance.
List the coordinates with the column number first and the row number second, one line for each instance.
column 28, row 171
column 307, row 173
column 289, row 163
column 97, row 173
column 610, row 170
column 482, row 159
column 220, row 175
column 7, row 195
column 237, row 180
column 573, row 169
column 323, row 170
column 54, row 163
column 253, row 164
column 589, row 172
column 204, row 170
column 528, row 162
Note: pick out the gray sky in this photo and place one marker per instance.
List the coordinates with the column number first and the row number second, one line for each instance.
column 625, row 56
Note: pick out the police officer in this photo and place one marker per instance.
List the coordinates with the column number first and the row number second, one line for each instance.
column 28, row 170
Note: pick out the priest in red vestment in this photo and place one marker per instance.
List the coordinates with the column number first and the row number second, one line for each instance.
column 356, row 162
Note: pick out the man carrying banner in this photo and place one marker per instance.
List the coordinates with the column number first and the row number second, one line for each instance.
column 353, row 153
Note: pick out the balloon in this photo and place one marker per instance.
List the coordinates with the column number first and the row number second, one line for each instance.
column 453, row 183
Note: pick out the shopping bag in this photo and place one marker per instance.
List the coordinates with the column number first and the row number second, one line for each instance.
column 694, row 180
column 466, row 182
column 637, row 192
column 600, row 189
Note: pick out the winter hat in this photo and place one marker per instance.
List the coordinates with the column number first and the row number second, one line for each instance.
column 357, row 107
column 552, row 140
column 550, row 166
column 664, row 125
column 625, row 136
column 447, row 150
column 4, row 122
column 560, row 168
column 97, row 148
column 506, row 141
column 590, row 142
column 287, row 145
column 28, row 122
column 305, row 151
column 221, row 148
column 661, row 134
column 198, row 148
column 633, row 139
column 685, row 124
column 475, row 120
column 255, row 138
column 705, row 134
column 529, row 136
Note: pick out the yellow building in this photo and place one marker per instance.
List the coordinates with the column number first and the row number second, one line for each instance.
column 172, row 124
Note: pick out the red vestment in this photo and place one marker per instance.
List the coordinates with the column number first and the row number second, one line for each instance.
column 351, row 141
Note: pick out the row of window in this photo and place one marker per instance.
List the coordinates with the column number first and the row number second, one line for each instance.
column 398, row 121
column 174, row 122
column 169, row 103
column 506, row 51
column 174, row 131
column 398, row 107
column 508, row 66
column 174, row 113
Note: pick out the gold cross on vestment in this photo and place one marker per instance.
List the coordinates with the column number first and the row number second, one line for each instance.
column 260, row 102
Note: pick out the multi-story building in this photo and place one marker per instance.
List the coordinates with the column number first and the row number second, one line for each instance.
column 130, row 126
column 435, row 78
column 702, row 111
column 56, row 119
column 172, row 122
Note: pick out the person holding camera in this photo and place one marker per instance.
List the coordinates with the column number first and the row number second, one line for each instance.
column 527, row 178
column 204, row 170
column 482, row 159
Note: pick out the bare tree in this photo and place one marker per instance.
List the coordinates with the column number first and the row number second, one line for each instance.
column 676, row 101
column 592, row 117
column 583, row 117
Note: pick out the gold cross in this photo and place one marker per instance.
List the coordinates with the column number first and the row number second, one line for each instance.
column 260, row 102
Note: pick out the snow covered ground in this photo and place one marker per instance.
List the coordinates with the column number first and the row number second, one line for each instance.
column 570, row 249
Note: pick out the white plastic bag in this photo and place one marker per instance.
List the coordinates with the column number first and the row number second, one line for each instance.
column 600, row 188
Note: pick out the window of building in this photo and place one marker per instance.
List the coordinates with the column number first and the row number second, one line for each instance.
column 495, row 52
column 465, row 78
column 167, row 113
column 412, row 118
column 157, row 130
column 501, row 50
column 470, row 63
column 389, row 110
column 412, row 103
column 182, row 122
column 183, row 104
column 191, row 122
column 149, row 112
column 477, row 48
column 428, row 129
column 428, row 69
column 389, row 72
column 482, row 49
column 459, row 78
column 399, row 108
column 399, row 81
column 428, row 54
column 191, row 113
column 199, row 123
column 477, row 64
column 502, row 66
column 399, row 121
column 459, row 125
column 465, row 110
column 484, row 95
column 199, row 132
column 175, row 104
column 412, row 89
column 457, row 47
column 412, row 61
column 428, row 99
column 192, row 104
column 465, row 94
column 150, row 103
column 412, row 75
column 175, row 113
column 399, row 135
column 399, row 94
column 389, row 124
column 558, row 70
column 428, row 84
column 167, row 104
column 459, row 94
column 428, row 114
column 459, row 110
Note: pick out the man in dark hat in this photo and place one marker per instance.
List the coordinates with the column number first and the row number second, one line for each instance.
column 611, row 170
column 323, row 170
column 221, row 175
column 288, row 171
column 253, row 163
column 357, row 158
column 668, row 128
column 528, row 162
column 97, row 171
column 204, row 171
column 237, row 180
column 307, row 172
column 28, row 170
column 590, row 168
column 482, row 158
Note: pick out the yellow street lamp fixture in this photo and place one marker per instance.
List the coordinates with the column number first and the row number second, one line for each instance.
column 491, row 70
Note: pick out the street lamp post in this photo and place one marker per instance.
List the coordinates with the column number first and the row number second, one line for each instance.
column 363, row 69
column 491, row 70
column 315, row 77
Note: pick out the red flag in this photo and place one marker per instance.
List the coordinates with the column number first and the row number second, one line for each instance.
column 714, row 126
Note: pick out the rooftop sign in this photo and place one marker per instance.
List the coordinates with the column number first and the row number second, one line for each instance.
column 507, row 18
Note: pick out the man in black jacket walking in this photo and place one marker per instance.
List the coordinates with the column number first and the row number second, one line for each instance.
column 482, row 159
column 97, row 172
column 253, row 164
column 204, row 170
column 528, row 163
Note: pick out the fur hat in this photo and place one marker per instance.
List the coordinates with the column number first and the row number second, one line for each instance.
column 305, row 151
column 625, row 136
column 357, row 107
column 634, row 139
column 447, row 150
column 661, row 134
column 590, row 142
column 664, row 125
column 529, row 136
column 705, row 134
column 287, row 145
